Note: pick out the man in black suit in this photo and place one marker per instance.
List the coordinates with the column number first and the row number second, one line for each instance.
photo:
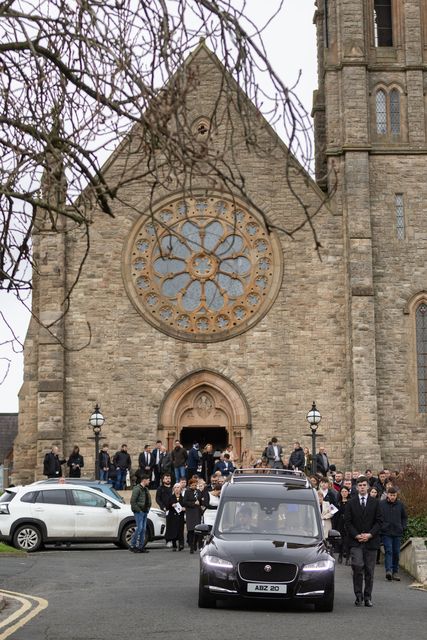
column 363, row 522
column 156, row 459
column 322, row 462
column 145, row 462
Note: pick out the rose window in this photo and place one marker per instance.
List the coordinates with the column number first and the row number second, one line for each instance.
column 202, row 269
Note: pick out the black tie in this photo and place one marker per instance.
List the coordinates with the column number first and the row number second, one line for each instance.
column 363, row 501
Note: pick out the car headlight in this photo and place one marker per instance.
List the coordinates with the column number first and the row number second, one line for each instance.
column 214, row 561
column 159, row 513
column 4, row 508
column 320, row 565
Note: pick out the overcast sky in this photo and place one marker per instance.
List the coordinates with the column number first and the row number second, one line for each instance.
column 291, row 46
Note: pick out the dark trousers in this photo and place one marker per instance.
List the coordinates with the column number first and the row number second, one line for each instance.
column 391, row 553
column 363, row 564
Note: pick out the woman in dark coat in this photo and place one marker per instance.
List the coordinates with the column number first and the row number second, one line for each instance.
column 193, row 511
column 75, row 462
column 208, row 463
column 343, row 548
column 175, row 518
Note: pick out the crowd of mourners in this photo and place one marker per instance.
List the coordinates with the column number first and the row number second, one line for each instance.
column 363, row 507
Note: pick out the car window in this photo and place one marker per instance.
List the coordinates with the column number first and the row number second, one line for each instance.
column 30, row 496
column 109, row 489
column 87, row 499
column 56, row 496
column 268, row 517
column 7, row 496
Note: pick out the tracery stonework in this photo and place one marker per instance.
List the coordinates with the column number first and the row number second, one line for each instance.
column 204, row 405
column 202, row 269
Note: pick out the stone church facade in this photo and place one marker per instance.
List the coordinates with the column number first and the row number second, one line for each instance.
column 207, row 326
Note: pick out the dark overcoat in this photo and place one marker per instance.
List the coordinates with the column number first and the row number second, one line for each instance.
column 174, row 520
column 193, row 512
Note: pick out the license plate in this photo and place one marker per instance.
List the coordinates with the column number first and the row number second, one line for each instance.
column 267, row 588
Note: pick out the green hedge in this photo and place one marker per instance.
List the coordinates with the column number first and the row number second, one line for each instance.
column 417, row 528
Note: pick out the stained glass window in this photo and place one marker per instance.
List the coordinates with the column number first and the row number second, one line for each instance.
column 421, row 331
column 381, row 112
column 210, row 272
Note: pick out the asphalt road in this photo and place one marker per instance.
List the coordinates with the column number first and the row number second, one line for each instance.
column 104, row 593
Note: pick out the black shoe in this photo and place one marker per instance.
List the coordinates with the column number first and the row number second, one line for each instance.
column 191, row 550
column 396, row 577
column 388, row 575
column 358, row 602
column 132, row 549
column 368, row 603
column 180, row 548
column 144, row 550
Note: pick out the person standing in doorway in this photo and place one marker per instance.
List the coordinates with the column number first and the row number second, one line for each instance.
column 194, row 461
column 140, row 503
column 395, row 521
column 208, row 463
column 363, row 522
column 179, row 460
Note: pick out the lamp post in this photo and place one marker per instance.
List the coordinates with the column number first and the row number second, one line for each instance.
column 96, row 421
column 313, row 418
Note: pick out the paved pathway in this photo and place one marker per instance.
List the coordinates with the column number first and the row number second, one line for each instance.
column 104, row 592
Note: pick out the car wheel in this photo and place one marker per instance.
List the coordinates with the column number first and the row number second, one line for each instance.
column 206, row 601
column 126, row 535
column 327, row 604
column 27, row 537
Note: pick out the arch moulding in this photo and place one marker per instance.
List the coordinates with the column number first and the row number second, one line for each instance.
column 205, row 397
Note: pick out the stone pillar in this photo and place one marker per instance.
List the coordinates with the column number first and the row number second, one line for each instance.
column 365, row 446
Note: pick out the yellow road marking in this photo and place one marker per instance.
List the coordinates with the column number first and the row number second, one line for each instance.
column 30, row 607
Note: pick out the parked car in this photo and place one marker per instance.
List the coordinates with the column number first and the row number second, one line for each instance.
column 100, row 485
column 267, row 542
column 46, row 512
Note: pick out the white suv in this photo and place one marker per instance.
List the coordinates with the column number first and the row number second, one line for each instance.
column 36, row 514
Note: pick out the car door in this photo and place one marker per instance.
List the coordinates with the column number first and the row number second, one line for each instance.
column 52, row 507
column 93, row 518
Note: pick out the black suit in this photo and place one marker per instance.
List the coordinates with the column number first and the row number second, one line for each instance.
column 358, row 520
column 145, row 462
column 157, row 467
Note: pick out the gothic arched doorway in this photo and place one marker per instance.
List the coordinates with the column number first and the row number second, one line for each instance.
column 205, row 407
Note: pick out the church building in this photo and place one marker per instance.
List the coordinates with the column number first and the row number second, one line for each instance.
column 204, row 322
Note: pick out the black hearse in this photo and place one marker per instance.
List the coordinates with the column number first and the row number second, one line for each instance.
column 267, row 542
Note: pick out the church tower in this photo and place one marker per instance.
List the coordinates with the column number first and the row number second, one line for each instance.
column 370, row 124
column 41, row 415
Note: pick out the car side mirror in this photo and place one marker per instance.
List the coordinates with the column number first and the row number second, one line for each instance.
column 334, row 535
column 108, row 505
column 203, row 529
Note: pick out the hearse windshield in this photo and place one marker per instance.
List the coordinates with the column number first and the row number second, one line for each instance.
column 268, row 516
